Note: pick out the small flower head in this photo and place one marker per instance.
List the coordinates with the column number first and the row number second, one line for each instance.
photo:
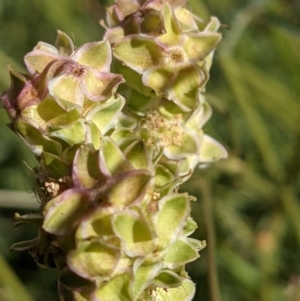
column 75, row 74
column 175, row 63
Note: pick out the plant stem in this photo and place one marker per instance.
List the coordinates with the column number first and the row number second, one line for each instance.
column 210, row 230
column 17, row 200
column 292, row 209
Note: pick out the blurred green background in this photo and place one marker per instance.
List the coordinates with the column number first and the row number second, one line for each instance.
column 248, row 206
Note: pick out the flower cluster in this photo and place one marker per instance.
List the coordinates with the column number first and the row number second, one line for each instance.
column 112, row 158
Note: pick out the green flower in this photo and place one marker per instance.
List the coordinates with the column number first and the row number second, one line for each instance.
column 173, row 64
column 69, row 98
column 111, row 219
column 75, row 75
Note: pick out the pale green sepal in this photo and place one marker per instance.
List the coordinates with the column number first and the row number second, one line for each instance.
column 127, row 141
column 138, row 156
column 112, row 160
column 180, row 253
column 158, row 78
column 186, row 166
column 208, row 61
column 167, row 189
column 43, row 46
column 189, row 227
column 138, row 53
column 37, row 60
column 96, row 55
column 111, row 18
column 167, row 279
column 172, row 36
column 128, row 187
column 63, row 211
column 69, row 153
column 125, row 121
column 36, row 140
column 86, row 173
column 97, row 225
column 104, row 116
column 56, row 166
column 133, row 80
column 213, row 25
column 64, row 44
column 120, row 134
column 152, row 23
column 67, row 91
column 176, row 3
column 185, row 292
column 172, row 166
column 124, row 263
column 31, row 115
column 169, row 109
column 73, row 134
column 93, row 135
column 92, row 259
column 189, row 145
column 183, row 174
column 98, row 86
column 116, row 289
column 156, row 156
column 143, row 275
column 198, row 45
column 135, row 234
column 185, row 19
column 211, row 150
column 199, row 117
column 185, row 89
column 139, row 103
column 197, row 244
column 172, row 213
column 48, row 115
column 113, row 35
column 123, row 8
column 162, row 176
column 18, row 84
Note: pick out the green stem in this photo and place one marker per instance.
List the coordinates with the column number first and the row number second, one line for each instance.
column 18, row 200
column 292, row 209
column 211, row 244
